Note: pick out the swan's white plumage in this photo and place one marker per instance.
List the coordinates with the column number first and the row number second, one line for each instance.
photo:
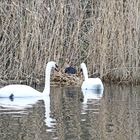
column 90, row 83
column 94, row 94
column 19, row 91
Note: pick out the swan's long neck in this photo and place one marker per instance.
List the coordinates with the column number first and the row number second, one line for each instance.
column 85, row 72
column 47, row 81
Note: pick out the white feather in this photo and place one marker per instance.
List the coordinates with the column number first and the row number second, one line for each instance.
column 90, row 83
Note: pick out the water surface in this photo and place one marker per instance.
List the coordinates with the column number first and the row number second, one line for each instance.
column 113, row 116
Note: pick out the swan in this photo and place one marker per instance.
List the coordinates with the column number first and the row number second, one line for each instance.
column 93, row 94
column 23, row 91
column 90, row 83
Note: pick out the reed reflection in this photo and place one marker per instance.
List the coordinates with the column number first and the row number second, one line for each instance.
column 30, row 117
column 67, row 110
column 90, row 114
column 120, row 113
column 112, row 114
column 24, row 103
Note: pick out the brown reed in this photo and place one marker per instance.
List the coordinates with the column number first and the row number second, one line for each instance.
column 104, row 34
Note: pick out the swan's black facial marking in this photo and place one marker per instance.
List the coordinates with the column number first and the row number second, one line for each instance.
column 81, row 70
column 81, row 99
column 56, row 67
column 11, row 97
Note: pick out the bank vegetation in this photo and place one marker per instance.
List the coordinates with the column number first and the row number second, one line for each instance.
column 104, row 34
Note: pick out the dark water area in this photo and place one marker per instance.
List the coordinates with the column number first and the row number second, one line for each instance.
column 68, row 116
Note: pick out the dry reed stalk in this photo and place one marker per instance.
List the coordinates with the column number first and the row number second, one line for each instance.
column 104, row 34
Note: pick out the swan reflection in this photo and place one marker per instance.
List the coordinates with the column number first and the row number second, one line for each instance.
column 91, row 100
column 20, row 106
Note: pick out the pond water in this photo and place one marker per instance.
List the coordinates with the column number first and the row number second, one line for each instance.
column 69, row 115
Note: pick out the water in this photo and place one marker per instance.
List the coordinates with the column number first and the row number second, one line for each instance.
column 113, row 116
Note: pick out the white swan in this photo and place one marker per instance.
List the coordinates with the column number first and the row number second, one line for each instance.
column 90, row 83
column 94, row 94
column 22, row 91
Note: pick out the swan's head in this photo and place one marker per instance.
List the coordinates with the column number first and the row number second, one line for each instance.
column 52, row 64
column 83, row 66
column 84, row 70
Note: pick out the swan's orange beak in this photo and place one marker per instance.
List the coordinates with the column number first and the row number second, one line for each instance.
column 56, row 68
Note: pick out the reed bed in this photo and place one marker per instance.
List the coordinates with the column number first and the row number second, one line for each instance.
column 104, row 34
